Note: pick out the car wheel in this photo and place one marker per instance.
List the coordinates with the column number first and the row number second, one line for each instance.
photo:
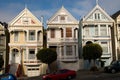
column 48, row 79
column 113, row 71
column 69, row 77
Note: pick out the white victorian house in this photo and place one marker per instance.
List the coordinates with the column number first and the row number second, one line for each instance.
column 62, row 36
column 96, row 27
column 26, row 38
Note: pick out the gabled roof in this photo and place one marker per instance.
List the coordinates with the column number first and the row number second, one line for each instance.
column 97, row 7
column 62, row 11
column 1, row 27
column 25, row 13
column 115, row 15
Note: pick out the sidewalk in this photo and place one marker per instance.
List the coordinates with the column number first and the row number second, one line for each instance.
column 82, row 73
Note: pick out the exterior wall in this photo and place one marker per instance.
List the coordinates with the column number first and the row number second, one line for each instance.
column 97, row 27
column 22, row 49
column 3, row 46
column 117, row 32
column 106, row 56
column 60, row 43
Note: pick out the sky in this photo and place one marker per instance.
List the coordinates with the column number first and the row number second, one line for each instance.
column 9, row 9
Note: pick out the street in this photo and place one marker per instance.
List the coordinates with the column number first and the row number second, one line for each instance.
column 86, row 75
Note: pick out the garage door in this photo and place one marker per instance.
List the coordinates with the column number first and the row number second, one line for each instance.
column 31, row 71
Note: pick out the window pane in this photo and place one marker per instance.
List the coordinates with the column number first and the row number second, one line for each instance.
column 68, row 32
column 52, row 33
column 62, row 19
column 68, row 50
column 32, row 35
column 31, row 54
column 104, row 47
column 103, row 30
column 16, row 36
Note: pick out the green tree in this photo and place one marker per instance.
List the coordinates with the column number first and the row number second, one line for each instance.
column 47, row 55
column 1, row 62
column 92, row 51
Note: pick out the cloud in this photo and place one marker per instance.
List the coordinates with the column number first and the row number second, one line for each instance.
column 81, row 8
column 45, row 13
column 110, row 6
column 78, row 8
column 10, row 11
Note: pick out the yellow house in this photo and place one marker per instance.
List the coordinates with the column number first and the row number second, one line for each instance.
column 26, row 38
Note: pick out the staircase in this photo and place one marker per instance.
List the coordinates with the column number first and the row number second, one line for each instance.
column 15, row 69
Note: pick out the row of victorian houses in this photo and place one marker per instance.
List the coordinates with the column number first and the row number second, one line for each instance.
column 65, row 34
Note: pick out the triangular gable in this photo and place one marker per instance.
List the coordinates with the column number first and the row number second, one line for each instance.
column 25, row 18
column 1, row 27
column 62, row 12
column 98, row 14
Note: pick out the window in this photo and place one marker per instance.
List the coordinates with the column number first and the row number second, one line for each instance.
column 32, row 35
column 2, row 40
column 103, row 30
column 91, row 30
column 25, row 20
column 15, row 36
column 68, row 32
column 97, row 16
column 104, row 47
column 1, row 53
column 62, row 18
column 75, row 33
column 68, row 50
column 52, row 33
column 31, row 54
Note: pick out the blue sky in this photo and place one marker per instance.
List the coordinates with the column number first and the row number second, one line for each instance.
column 78, row 8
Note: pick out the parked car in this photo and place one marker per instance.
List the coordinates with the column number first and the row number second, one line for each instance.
column 113, row 67
column 7, row 77
column 60, row 75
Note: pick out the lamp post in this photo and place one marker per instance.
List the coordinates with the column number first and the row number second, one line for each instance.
column 80, row 39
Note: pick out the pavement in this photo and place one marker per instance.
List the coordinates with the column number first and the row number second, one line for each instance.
column 81, row 74
column 85, row 75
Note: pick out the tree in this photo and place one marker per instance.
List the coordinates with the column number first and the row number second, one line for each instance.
column 1, row 62
column 47, row 55
column 92, row 51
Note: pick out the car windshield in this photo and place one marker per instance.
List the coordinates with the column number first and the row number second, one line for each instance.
column 114, row 62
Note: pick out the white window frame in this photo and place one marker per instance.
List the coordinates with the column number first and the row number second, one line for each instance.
column 31, row 55
column 32, row 36
column 103, row 30
column 16, row 35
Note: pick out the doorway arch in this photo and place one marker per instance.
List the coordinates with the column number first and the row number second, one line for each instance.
column 15, row 56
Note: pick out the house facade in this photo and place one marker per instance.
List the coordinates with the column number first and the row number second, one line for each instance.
column 62, row 36
column 116, row 17
column 26, row 38
column 96, row 27
column 3, row 46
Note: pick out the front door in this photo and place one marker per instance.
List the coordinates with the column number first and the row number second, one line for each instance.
column 15, row 56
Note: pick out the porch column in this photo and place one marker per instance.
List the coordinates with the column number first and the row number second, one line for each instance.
column 36, row 37
column 27, row 35
column 10, row 57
